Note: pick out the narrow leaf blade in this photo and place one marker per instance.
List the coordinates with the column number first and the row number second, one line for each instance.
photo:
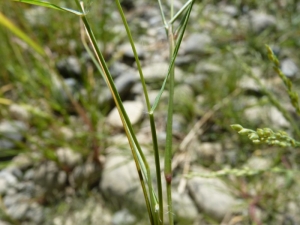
column 180, row 37
column 19, row 33
column 50, row 5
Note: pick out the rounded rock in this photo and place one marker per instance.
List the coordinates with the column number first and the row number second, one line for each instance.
column 135, row 112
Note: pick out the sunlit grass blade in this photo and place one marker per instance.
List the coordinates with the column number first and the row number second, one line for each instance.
column 142, row 164
column 20, row 34
column 85, row 45
column 5, row 101
column 50, row 5
column 141, row 169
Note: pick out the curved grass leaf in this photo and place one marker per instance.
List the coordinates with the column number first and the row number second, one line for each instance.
column 50, row 5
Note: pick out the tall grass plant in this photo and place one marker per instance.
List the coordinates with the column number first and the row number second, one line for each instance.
column 153, row 200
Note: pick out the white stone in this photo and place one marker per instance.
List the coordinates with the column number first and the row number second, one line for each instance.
column 183, row 206
column 68, row 157
column 3, row 186
column 11, row 130
column 258, row 163
column 66, row 132
column 261, row 21
column 197, row 43
column 213, row 196
column 158, row 71
column 18, row 211
column 289, row 67
column 7, row 181
column 120, row 179
column 18, row 112
column 257, row 114
column 135, row 112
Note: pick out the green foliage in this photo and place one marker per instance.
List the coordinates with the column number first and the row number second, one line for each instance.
column 287, row 82
column 241, row 172
column 31, row 76
column 267, row 136
column 154, row 204
column 19, row 33
column 50, row 5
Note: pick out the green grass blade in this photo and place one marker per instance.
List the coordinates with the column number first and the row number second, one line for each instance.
column 142, row 164
column 169, row 138
column 241, row 172
column 157, row 166
column 180, row 11
column 89, row 51
column 151, row 116
column 273, row 100
column 163, row 15
column 20, row 34
column 180, row 37
column 135, row 53
column 141, row 167
column 293, row 95
column 50, row 5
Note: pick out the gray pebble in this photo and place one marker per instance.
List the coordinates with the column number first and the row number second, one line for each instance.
column 123, row 217
column 289, row 68
column 10, row 132
column 18, row 211
column 69, row 67
column 197, row 43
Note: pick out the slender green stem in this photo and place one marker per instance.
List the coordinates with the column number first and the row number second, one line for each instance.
column 168, row 150
column 142, row 180
column 157, row 167
column 134, row 52
column 151, row 116
column 178, row 42
column 294, row 98
column 124, row 117
column 163, row 15
column 171, row 74
column 169, row 139
column 86, row 47
column 172, row 9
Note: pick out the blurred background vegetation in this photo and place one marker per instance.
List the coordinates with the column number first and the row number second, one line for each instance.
column 59, row 99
